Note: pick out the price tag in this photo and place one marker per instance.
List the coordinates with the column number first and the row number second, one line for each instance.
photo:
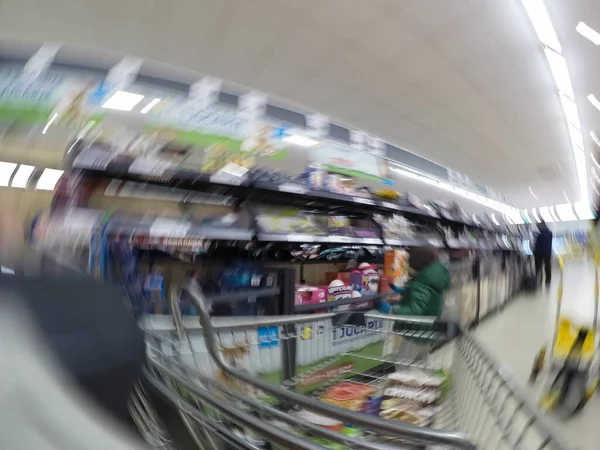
column 371, row 241
column 223, row 178
column 364, row 201
column 342, row 239
column 300, row 237
column 390, row 205
column 169, row 228
column 292, row 188
column 149, row 166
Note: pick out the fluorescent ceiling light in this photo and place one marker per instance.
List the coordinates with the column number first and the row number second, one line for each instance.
column 588, row 32
column 525, row 216
column 565, row 212
column 570, row 110
column 450, row 188
column 475, row 220
column 150, row 105
column 493, row 216
column 300, row 140
column 538, row 14
column 508, row 219
column 583, row 210
column 595, row 189
column 22, row 176
column 535, row 215
column 595, row 161
column 48, row 179
column 546, row 215
column 595, row 175
column 560, row 72
column 531, row 192
column 594, row 101
column 576, row 138
column 123, row 101
column 595, row 138
column 515, row 216
column 6, row 171
column 50, row 122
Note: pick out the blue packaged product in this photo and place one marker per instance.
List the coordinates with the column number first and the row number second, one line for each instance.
column 155, row 290
column 243, row 277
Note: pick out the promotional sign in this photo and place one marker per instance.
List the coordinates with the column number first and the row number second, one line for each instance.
column 49, row 98
column 349, row 161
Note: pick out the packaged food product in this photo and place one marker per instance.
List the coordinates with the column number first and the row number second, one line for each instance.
column 396, row 266
column 416, row 378
column 337, row 290
column 317, row 419
column 348, row 390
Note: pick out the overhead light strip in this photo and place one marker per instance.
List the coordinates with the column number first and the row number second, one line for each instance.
column 493, row 204
column 22, row 176
column 538, row 14
column 540, row 19
column 588, row 32
column 531, row 192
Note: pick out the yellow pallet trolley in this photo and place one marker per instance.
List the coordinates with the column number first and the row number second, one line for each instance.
column 573, row 351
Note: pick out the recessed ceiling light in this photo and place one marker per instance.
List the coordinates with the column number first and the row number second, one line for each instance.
column 123, row 101
column 6, row 171
column 150, row 105
column 594, row 101
column 48, row 179
column 22, row 176
column 588, row 32
column 300, row 140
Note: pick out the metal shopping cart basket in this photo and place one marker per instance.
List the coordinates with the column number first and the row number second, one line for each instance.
column 333, row 381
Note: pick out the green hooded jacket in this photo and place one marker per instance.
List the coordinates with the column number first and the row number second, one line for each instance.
column 424, row 293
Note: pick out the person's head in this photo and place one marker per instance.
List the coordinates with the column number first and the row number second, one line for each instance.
column 542, row 226
column 421, row 257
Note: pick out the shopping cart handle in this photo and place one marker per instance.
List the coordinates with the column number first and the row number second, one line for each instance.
column 349, row 318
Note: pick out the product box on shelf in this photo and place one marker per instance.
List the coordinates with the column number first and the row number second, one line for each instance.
column 309, row 295
column 396, row 266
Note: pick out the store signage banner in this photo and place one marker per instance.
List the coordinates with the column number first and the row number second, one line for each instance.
column 40, row 61
column 317, row 125
column 205, row 92
column 349, row 161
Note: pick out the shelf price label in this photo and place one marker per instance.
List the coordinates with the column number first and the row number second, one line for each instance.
column 169, row 228
column 292, row 188
column 364, row 201
column 149, row 166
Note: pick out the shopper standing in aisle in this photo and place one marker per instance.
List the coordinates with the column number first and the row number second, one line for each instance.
column 542, row 252
column 423, row 294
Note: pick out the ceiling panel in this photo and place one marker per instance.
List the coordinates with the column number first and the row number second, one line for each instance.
column 461, row 82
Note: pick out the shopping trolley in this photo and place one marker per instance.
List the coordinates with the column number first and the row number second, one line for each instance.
column 269, row 382
column 571, row 357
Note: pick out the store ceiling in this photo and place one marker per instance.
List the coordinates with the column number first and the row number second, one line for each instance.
column 461, row 82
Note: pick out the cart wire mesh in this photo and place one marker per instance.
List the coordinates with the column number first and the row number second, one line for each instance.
column 246, row 382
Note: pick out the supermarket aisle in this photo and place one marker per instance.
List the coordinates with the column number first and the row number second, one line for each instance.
column 515, row 336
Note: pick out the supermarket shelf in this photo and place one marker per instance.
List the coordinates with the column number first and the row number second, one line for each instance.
column 317, row 239
column 291, row 193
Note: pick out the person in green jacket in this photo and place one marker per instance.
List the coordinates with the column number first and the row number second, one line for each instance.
column 423, row 294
